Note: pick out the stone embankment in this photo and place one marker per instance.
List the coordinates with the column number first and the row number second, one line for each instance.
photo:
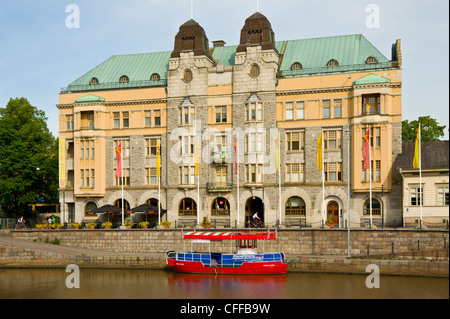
column 396, row 252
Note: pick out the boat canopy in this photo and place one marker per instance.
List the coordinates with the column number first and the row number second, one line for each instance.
column 230, row 235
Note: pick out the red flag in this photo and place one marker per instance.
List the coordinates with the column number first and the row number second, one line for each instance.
column 366, row 150
column 119, row 161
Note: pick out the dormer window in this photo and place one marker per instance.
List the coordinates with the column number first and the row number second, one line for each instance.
column 296, row 66
column 332, row 63
column 93, row 81
column 155, row 77
column 124, row 79
column 371, row 60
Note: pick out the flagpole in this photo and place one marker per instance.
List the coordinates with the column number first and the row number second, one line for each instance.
column 348, row 190
column 121, row 176
column 420, row 174
column 279, row 175
column 158, row 170
column 370, row 175
column 237, row 173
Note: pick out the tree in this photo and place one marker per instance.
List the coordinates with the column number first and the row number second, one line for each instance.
column 28, row 158
column 430, row 129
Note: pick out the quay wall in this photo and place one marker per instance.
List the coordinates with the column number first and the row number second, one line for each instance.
column 291, row 242
column 416, row 253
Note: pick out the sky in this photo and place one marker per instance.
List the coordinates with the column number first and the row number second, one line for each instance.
column 43, row 48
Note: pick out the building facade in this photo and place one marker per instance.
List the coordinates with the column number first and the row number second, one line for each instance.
column 232, row 109
column 427, row 190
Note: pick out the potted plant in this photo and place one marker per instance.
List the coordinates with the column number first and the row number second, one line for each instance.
column 107, row 225
column 128, row 224
column 91, row 225
column 329, row 223
column 56, row 226
column 206, row 223
column 165, row 223
column 75, row 225
column 40, row 226
column 144, row 225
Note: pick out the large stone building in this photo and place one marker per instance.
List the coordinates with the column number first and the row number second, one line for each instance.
column 256, row 93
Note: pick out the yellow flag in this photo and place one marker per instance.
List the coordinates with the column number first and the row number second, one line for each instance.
column 158, row 159
column 416, row 160
column 319, row 153
column 197, row 161
column 277, row 152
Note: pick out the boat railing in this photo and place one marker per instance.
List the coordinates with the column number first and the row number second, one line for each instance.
column 228, row 260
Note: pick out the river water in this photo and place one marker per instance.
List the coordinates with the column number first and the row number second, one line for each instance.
column 161, row 284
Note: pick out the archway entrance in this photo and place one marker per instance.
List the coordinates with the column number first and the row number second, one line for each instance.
column 252, row 205
column 333, row 211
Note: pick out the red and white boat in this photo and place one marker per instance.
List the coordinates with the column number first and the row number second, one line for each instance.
column 244, row 260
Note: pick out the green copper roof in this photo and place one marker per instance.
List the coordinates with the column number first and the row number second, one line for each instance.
column 90, row 98
column 371, row 78
column 351, row 52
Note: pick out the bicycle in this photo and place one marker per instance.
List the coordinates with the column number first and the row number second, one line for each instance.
column 257, row 224
column 20, row 226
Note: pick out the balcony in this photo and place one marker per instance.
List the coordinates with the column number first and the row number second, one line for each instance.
column 219, row 157
column 219, row 187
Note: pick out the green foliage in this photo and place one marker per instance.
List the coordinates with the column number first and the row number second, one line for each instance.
column 430, row 129
column 28, row 158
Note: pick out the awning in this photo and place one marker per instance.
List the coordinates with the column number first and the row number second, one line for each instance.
column 229, row 235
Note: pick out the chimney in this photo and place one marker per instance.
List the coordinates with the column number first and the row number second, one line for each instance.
column 218, row 43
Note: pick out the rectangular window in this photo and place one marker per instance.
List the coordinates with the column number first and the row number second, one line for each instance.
column 300, row 110
column 332, row 140
column 374, row 173
column 333, row 171
column 126, row 119
column 253, row 142
column 125, row 177
column 442, row 195
column 295, row 172
column 326, row 108
column 370, row 104
column 221, row 174
column 82, row 177
column 221, row 114
column 150, row 176
column 187, row 115
column 253, row 173
column 253, row 111
column 151, row 144
column 69, row 122
column 187, row 145
column 125, row 148
column 295, row 141
column 187, row 175
column 116, row 116
column 416, row 195
column 337, row 108
column 157, row 117
column 289, row 111
column 148, row 118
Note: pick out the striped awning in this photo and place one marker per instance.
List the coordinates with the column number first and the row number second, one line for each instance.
column 229, row 235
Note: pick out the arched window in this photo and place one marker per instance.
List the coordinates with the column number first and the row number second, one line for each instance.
column 371, row 60
column 296, row 66
column 88, row 209
column 376, row 207
column 254, row 71
column 124, row 79
column 295, row 206
column 155, row 77
column 187, row 76
column 220, row 207
column 118, row 203
column 93, row 81
column 187, row 207
column 332, row 63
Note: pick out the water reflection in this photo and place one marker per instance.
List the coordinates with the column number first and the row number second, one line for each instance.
column 155, row 284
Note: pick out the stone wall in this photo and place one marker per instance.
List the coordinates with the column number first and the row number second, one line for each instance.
column 291, row 242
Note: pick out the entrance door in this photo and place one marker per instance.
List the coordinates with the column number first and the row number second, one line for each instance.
column 254, row 204
column 333, row 211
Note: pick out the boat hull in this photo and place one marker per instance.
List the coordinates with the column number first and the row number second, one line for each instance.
column 249, row 268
